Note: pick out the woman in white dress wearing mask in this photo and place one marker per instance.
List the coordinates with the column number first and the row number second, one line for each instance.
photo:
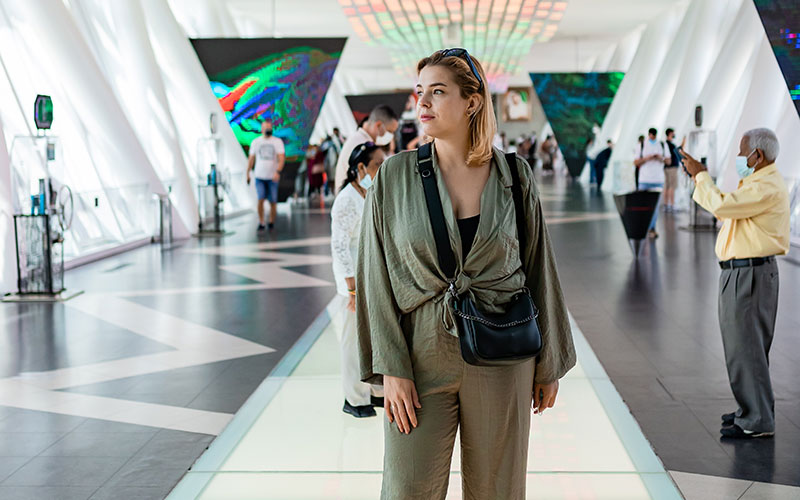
column 363, row 165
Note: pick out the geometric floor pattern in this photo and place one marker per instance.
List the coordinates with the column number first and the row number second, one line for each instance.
column 191, row 344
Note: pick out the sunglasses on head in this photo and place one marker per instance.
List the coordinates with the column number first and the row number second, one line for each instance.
column 462, row 53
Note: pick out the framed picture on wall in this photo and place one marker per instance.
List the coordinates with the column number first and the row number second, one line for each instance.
column 516, row 105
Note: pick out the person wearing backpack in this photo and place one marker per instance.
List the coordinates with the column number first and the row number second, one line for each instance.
column 650, row 159
column 410, row 279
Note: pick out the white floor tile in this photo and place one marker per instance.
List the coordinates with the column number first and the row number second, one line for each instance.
column 302, row 446
column 306, row 423
column 764, row 491
column 265, row 486
column 702, row 487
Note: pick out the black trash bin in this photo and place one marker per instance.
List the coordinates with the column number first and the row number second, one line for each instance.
column 636, row 210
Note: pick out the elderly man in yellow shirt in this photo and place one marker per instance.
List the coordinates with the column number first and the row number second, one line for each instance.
column 755, row 228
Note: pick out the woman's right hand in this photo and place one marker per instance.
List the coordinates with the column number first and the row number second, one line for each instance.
column 401, row 400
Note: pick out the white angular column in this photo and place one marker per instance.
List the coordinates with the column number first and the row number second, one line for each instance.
column 149, row 107
column 121, row 159
column 622, row 123
column 8, row 265
column 190, row 96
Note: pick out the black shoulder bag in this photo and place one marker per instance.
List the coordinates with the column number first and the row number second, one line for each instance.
column 486, row 339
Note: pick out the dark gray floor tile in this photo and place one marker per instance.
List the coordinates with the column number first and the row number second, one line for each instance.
column 65, row 337
column 88, row 444
column 27, row 444
column 168, row 397
column 9, row 465
column 144, row 475
column 111, row 388
column 223, row 402
column 45, row 492
column 790, row 409
column 169, row 444
column 37, row 421
column 65, row 471
column 132, row 493
column 107, row 426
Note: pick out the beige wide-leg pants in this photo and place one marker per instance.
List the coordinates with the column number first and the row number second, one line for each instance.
column 492, row 408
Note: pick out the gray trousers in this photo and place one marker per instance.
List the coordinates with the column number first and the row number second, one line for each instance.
column 748, row 305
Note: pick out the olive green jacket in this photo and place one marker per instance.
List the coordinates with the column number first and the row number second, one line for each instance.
column 402, row 294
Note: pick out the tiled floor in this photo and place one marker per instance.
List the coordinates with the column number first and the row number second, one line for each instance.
column 116, row 394
column 301, row 445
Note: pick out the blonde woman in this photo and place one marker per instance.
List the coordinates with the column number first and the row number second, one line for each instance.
column 407, row 334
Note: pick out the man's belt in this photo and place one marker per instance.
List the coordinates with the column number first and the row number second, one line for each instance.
column 755, row 261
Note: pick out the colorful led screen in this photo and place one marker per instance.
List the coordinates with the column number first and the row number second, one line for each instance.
column 361, row 105
column 574, row 103
column 781, row 19
column 284, row 80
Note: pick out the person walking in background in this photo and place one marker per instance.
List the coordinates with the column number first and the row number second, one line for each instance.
column 590, row 159
column 403, row 304
column 755, row 228
column 601, row 162
column 316, row 171
column 671, row 173
column 548, row 150
column 266, row 159
column 332, row 147
column 532, row 157
column 346, row 214
column 650, row 159
column 381, row 121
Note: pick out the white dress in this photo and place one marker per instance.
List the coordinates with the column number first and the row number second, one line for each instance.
column 345, row 228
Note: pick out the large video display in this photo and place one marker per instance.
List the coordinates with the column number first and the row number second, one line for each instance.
column 284, row 80
column 781, row 19
column 574, row 103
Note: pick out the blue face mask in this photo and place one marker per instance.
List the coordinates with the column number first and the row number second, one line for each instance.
column 742, row 168
column 652, row 141
column 366, row 182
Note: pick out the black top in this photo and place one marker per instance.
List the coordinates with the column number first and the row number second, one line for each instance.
column 468, row 227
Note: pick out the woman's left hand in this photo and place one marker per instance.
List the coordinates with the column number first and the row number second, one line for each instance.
column 544, row 396
column 351, row 304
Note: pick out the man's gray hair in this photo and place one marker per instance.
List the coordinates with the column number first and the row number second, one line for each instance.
column 765, row 140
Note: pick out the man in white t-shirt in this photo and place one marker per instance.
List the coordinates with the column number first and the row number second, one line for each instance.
column 379, row 128
column 267, row 156
column 650, row 157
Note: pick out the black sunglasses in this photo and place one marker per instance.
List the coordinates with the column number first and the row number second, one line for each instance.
column 462, row 53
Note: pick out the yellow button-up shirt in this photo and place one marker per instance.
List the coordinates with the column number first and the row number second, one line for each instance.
column 755, row 217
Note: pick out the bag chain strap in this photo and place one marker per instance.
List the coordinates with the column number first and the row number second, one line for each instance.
column 494, row 325
column 488, row 323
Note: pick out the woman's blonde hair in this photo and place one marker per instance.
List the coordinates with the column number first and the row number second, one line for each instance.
column 482, row 123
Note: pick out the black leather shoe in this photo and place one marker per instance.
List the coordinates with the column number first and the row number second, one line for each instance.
column 359, row 411
column 728, row 418
column 736, row 432
column 376, row 401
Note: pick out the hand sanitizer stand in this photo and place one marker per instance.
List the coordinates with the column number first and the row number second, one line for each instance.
column 41, row 221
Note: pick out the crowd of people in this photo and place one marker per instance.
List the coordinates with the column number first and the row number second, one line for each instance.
column 399, row 339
